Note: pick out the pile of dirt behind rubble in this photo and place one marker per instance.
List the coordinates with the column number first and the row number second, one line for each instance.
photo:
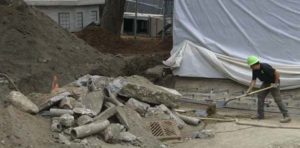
column 97, row 111
column 34, row 48
column 107, row 42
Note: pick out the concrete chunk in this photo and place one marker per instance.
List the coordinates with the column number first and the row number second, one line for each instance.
column 22, row 102
column 84, row 111
column 137, row 126
column 54, row 100
column 94, row 101
column 127, row 137
column 84, row 119
column 66, row 103
column 66, row 120
column 112, row 133
column 138, row 106
column 141, row 89
column 107, row 113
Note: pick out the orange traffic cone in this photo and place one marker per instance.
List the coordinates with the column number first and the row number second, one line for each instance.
column 54, row 85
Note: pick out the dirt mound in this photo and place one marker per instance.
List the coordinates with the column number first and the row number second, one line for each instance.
column 33, row 49
column 105, row 41
column 19, row 129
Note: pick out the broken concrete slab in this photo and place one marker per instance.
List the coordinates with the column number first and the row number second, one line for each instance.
column 66, row 120
column 123, row 117
column 84, row 119
column 137, row 126
column 99, row 81
column 142, row 89
column 54, row 100
column 138, row 106
column 112, row 97
column 94, row 101
column 22, row 102
column 109, row 104
column 89, row 129
column 76, row 92
column 112, row 133
column 66, row 103
column 128, row 137
column 84, row 111
column 106, row 114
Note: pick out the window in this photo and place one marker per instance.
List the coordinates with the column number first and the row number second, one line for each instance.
column 79, row 20
column 64, row 20
column 94, row 16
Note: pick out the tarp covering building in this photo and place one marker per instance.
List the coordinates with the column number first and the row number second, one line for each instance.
column 213, row 38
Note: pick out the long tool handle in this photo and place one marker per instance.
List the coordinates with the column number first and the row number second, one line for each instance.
column 251, row 93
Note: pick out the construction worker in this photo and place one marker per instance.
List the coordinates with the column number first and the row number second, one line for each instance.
column 269, row 77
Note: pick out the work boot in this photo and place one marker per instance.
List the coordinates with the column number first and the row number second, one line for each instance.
column 257, row 117
column 285, row 120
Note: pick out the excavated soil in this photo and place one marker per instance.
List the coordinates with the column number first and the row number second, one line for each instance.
column 33, row 49
column 107, row 42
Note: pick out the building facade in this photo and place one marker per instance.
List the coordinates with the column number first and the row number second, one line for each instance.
column 73, row 15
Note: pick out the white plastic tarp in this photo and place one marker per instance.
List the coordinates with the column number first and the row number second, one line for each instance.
column 212, row 38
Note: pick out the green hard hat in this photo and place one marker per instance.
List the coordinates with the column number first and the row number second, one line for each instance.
column 252, row 60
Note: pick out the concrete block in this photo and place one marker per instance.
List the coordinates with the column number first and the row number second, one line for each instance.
column 94, row 101
column 106, row 114
column 66, row 120
column 22, row 102
column 84, row 119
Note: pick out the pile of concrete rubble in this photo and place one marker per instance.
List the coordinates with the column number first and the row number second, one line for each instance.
column 115, row 110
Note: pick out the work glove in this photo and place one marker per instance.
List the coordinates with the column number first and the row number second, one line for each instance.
column 275, row 85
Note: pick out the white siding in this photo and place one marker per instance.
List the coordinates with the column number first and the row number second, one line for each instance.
column 53, row 12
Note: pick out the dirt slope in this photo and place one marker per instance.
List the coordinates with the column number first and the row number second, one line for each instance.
column 33, row 48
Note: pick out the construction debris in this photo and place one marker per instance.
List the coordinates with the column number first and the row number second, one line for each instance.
column 66, row 103
column 54, row 100
column 107, row 113
column 180, row 123
column 22, row 102
column 54, row 112
column 137, row 127
column 93, row 112
column 89, row 129
column 138, row 106
column 93, row 101
column 142, row 89
column 84, row 111
column 56, row 126
column 189, row 120
column 84, row 119
column 203, row 134
column 112, row 133
column 66, row 120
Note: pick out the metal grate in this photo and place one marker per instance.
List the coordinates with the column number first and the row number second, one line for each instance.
column 165, row 129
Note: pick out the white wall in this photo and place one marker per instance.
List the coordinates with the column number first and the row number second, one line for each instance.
column 53, row 12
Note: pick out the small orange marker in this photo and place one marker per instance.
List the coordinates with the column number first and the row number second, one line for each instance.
column 54, row 85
